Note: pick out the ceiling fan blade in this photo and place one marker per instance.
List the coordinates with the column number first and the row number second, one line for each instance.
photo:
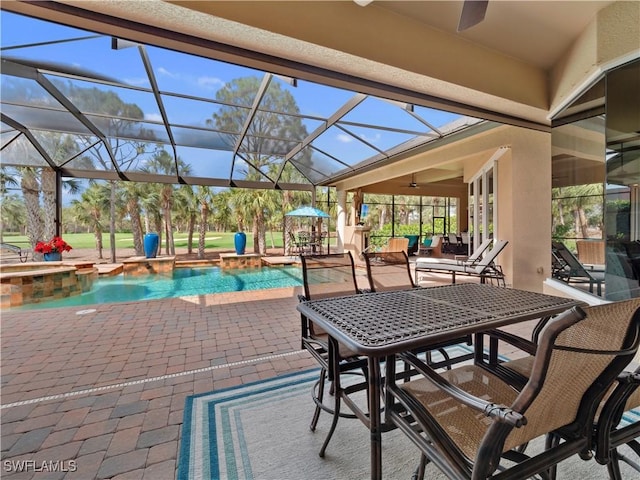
column 472, row 13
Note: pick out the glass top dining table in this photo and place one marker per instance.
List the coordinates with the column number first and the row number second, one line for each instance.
column 381, row 324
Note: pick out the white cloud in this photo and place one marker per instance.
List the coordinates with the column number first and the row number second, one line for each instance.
column 164, row 71
column 344, row 138
column 137, row 81
column 210, row 82
column 373, row 139
column 153, row 117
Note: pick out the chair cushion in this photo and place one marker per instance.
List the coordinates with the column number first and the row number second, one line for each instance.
column 464, row 425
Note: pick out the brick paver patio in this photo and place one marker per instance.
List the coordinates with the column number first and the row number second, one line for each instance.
column 100, row 390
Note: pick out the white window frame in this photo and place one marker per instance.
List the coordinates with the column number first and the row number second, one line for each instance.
column 481, row 179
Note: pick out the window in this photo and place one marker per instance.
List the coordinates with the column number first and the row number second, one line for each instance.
column 595, row 175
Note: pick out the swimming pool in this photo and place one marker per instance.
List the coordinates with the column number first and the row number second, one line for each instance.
column 184, row 282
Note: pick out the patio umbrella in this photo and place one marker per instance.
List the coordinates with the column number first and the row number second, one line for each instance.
column 310, row 212
column 307, row 212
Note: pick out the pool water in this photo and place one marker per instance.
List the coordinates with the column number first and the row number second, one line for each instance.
column 185, row 282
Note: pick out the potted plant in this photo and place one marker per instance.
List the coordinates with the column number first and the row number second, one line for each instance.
column 52, row 250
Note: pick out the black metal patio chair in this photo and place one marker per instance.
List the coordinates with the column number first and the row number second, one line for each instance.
column 468, row 420
column 391, row 271
column 388, row 271
column 625, row 397
column 326, row 276
column 610, row 434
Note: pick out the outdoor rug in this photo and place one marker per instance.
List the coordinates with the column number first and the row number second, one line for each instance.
column 261, row 431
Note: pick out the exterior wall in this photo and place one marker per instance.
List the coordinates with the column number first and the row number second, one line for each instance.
column 523, row 203
column 524, row 194
column 610, row 40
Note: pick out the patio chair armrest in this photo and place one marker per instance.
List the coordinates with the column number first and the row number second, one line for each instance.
column 499, row 413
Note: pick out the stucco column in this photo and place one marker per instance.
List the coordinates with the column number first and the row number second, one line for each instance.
column 524, row 214
column 341, row 220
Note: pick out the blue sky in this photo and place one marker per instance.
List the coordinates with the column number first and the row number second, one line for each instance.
column 198, row 77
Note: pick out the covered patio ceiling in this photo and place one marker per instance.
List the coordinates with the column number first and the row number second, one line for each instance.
column 370, row 86
column 100, row 107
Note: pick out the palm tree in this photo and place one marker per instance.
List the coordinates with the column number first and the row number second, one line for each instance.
column 131, row 192
column 31, row 194
column 13, row 213
column 223, row 217
column 186, row 208
column 250, row 204
column 93, row 202
column 579, row 200
column 149, row 198
column 163, row 163
column 263, row 138
column 203, row 197
column 10, row 212
column 7, row 178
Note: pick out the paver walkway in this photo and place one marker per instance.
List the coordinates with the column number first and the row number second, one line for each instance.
column 99, row 392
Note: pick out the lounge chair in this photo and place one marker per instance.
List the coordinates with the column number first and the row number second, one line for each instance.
column 590, row 252
column 485, row 268
column 434, row 249
column 574, row 271
column 459, row 260
column 412, row 247
column 467, row 420
column 397, row 244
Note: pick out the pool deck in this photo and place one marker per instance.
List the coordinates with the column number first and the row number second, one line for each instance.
column 105, row 385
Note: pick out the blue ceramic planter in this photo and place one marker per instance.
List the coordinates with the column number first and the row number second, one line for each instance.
column 151, row 245
column 240, row 242
column 52, row 257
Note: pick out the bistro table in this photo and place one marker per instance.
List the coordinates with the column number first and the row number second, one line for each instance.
column 379, row 325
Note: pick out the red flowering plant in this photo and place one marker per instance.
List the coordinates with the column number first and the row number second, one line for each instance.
column 56, row 244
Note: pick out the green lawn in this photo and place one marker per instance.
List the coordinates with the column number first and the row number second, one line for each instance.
column 221, row 240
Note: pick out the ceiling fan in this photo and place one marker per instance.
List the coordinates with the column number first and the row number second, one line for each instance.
column 413, row 183
column 473, row 12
